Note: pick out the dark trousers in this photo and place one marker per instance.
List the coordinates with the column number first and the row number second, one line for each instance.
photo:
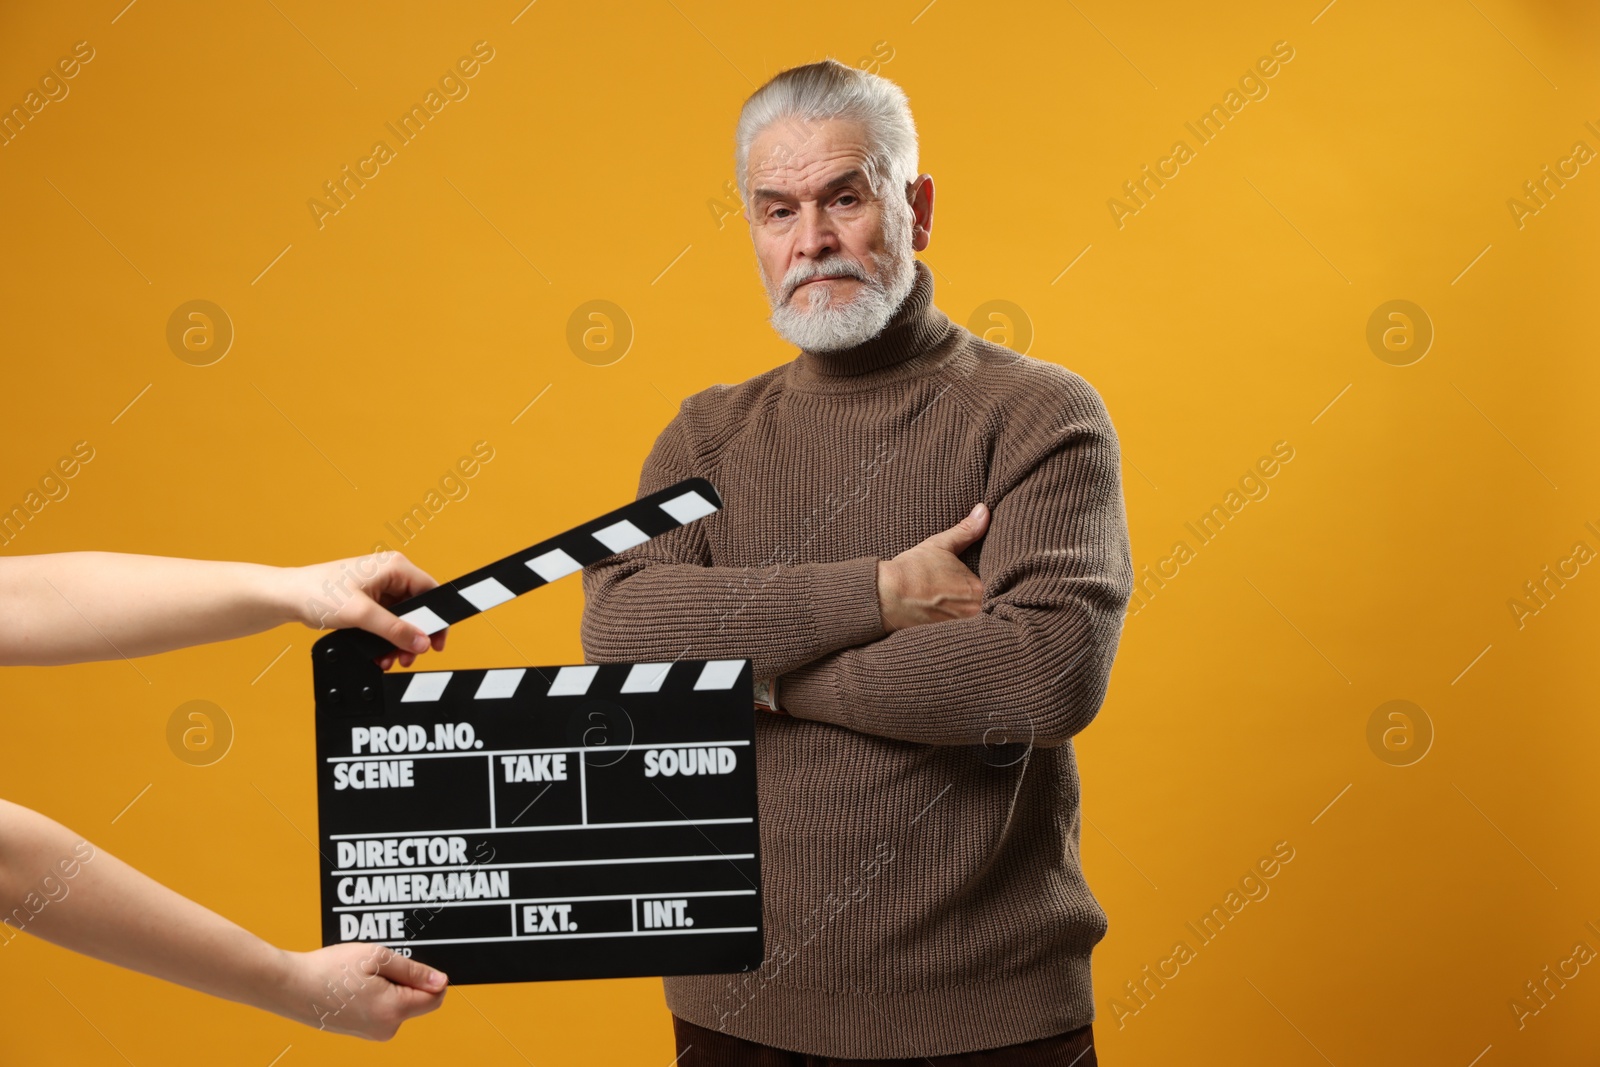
column 699, row 1047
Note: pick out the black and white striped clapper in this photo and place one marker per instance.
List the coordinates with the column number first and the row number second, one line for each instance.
column 529, row 823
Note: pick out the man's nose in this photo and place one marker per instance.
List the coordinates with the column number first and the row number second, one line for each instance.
column 817, row 237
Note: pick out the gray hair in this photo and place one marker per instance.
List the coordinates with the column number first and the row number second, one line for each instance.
column 829, row 89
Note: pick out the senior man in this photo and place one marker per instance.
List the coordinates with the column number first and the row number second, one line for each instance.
column 924, row 552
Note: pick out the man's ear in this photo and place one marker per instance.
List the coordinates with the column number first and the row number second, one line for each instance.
column 920, row 195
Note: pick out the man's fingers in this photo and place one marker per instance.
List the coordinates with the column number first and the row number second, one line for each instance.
column 963, row 533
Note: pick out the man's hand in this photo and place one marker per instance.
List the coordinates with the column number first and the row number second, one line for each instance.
column 356, row 592
column 365, row 990
column 928, row 583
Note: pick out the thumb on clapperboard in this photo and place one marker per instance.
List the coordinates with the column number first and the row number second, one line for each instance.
column 418, row 987
column 373, row 617
column 404, row 971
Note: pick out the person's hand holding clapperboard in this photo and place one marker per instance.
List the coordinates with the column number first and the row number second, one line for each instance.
column 75, row 607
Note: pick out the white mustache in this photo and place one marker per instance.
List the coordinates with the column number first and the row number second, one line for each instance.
column 850, row 271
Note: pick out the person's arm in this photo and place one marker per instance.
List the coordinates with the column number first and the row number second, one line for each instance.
column 663, row 600
column 73, row 607
column 59, row 887
column 1032, row 666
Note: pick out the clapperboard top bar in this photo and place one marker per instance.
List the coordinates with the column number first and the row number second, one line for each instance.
column 342, row 662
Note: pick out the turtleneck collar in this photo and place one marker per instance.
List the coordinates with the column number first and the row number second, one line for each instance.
column 908, row 345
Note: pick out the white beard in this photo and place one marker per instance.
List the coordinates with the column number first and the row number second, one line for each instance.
column 824, row 326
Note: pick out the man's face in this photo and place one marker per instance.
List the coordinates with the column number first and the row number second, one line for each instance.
column 835, row 259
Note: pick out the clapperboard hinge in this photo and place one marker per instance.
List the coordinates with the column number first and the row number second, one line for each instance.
column 343, row 663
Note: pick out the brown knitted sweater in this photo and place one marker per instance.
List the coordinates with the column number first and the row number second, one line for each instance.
column 922, row 890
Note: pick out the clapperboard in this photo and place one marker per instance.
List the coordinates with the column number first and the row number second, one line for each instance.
column 531, row 823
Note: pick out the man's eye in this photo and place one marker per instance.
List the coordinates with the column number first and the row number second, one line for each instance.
column 847, row 200
column 774, row 212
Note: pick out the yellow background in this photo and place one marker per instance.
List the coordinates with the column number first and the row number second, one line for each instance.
column 588, row 162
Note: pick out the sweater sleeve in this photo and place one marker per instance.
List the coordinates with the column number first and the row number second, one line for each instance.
column 1033, row 665
column 665, row 600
